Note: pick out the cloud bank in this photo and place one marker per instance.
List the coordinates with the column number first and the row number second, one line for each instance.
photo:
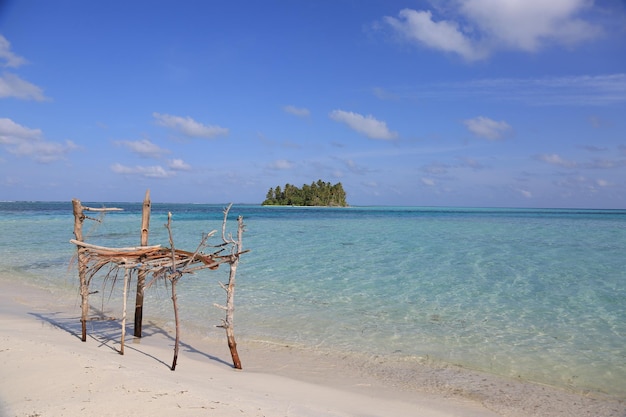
column 23, row 141
column 482, row 27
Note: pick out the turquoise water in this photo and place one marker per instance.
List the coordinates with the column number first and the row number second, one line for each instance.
column 532, row 294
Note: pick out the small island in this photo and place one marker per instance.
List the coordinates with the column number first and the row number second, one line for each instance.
column 318, row 193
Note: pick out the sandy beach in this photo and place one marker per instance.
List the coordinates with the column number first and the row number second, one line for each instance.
column 45, row 370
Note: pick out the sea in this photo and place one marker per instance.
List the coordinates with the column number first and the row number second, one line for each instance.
column 532, row 294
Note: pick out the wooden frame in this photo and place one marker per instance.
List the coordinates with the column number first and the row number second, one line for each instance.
column 159, row 262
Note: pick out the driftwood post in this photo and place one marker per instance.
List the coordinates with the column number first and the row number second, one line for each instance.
column 174, row 280
column 230, row 302
column 125, row 292
column 173, row 276
column 141, row 276
column 79, row 217
column 228, row 322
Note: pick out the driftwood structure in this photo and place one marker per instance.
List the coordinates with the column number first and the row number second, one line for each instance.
column 166, row 263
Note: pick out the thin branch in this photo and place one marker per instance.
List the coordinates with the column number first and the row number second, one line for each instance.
column 230, row 239
column 201, row 245
column 173, row 277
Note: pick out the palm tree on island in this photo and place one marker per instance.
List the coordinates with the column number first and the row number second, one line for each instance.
column 318, row 193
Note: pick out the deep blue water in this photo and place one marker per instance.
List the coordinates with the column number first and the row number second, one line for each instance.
column 529, row 293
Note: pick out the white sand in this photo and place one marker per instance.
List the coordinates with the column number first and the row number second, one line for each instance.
column 45, row 370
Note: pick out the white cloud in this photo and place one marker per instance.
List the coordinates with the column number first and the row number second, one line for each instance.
column 12, row 133
column 525, row 193
column 23, row 141
column 281, row 164
column 297, row 111
column 43, row 151
column 428, row 181
column 528, row 24
column 554, row 159
column 367, row 125
column 179, row 165
column 143, row 147
column 485, row 26
column 597, row 90
column 13, row 86
column 487, row 128
column 189, row 127
column 419, row 27
column 10, row 59
column 155, row 171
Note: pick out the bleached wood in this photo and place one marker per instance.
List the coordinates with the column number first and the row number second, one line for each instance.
column 108, row 249
column 236, row 249
column 166, row 263
column 79, row 218
column 102, row 209
column 141, row 275
column 126, row 277
column 173, row 277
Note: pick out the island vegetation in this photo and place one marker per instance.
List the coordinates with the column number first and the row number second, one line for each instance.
column 318, row 193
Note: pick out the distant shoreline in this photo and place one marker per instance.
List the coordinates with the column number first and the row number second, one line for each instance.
column 157, row 202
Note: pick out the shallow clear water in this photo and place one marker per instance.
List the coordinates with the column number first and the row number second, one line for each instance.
column 535, row 294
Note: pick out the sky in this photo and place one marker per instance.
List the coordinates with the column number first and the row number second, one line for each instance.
column 483, row 103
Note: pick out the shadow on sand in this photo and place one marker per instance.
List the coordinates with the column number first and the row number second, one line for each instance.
column 107, row 332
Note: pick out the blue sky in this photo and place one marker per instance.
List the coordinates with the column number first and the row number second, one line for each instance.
column 513, row 103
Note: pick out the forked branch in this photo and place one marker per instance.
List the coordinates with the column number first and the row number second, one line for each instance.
column 236, row 250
